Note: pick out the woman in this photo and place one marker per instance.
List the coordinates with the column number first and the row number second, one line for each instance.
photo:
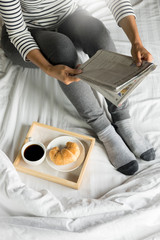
column 47, row 34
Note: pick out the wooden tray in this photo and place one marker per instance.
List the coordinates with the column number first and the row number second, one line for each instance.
column 45, row 134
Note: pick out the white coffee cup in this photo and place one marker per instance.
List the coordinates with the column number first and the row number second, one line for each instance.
column 33, row 152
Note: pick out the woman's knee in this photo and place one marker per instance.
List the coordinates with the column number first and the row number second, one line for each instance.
column 87, row 32
column 98, row 37
column 56, row 47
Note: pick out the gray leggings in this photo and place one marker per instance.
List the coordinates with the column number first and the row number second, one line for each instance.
column 78, row 31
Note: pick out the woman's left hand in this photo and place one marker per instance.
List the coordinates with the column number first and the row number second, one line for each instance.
column 139, row 53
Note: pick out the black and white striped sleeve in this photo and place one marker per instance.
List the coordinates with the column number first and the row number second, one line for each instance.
column 17, row 30
column 120, row 9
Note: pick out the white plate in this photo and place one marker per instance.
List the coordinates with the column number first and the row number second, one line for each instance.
column 61, row 143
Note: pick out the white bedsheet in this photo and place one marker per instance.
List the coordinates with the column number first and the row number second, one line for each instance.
column 108, row 205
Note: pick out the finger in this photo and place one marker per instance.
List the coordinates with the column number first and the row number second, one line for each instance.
column 70, row 80
column 148, row 57
column 72, row 71
column 74, row 79
column 138, row 59
column 78, row 66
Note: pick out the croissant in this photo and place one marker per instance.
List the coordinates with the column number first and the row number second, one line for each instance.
column 66, row 155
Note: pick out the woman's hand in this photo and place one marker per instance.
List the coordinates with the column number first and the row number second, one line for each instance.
column 63, row 73
column 139, row 53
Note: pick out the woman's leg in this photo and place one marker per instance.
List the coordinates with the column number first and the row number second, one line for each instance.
column 52, row 44
column 90, row 35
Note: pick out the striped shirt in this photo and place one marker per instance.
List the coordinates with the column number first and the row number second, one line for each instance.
column 19, row 15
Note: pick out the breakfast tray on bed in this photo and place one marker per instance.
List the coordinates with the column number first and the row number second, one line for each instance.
column 45, row 134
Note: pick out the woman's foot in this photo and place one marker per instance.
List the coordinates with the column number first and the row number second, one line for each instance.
column 136, row 143
column 118, row 153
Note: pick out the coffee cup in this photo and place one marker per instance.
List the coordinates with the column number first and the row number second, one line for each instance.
column 33, row 152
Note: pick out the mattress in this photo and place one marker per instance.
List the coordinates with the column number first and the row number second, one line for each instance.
column 108, row 205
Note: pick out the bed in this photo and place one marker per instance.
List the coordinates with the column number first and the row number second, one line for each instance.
column 108, row 205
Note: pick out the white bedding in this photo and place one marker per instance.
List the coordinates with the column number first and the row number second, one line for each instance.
column 108, row 205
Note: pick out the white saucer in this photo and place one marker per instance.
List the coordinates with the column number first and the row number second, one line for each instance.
column 61, row 143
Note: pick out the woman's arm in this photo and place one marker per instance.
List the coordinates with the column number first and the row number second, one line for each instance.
column 61, row 72
column 125, row 17
column 26, row 45
column 138, row 51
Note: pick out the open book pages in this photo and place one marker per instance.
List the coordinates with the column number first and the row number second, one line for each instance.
column 114, row 75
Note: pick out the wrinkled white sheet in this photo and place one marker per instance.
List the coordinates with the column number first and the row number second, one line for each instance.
column 129, row 211
column 108, row 205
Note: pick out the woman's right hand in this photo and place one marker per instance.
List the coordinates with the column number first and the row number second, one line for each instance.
column 63, row 73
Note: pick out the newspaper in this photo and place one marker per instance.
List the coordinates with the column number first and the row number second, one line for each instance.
column 114, row 75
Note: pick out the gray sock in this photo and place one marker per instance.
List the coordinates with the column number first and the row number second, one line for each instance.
column 137, row 144
column 118, row 153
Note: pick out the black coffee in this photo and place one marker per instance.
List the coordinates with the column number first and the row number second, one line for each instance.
column 33, row 152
